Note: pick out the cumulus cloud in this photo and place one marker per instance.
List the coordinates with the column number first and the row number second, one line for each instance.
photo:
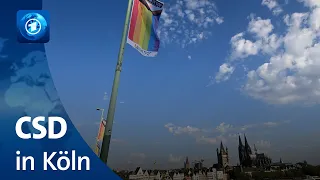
column 223, row 127
column 218, row 133
column 291, row 73
column 225, row 71
column 181, row 130
column 242, row 48
column 311, row 3
column 260, row 27
column 186, row 22
column 273, row 6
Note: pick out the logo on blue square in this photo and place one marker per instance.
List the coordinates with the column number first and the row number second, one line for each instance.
column 33, row 26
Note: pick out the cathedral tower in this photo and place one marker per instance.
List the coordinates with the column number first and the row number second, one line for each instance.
column 241, row 151
column 187, row 164
column 223, row 156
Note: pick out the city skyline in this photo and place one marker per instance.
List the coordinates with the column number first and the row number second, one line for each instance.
column 181, row 162
column 233, row 67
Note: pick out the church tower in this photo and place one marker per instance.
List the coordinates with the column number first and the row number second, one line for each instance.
column 223, row 156
column 187, row 164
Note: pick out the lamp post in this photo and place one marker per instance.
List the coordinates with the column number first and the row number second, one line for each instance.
column 113, row 98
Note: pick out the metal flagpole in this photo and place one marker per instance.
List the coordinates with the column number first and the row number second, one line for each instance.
column 112, row 105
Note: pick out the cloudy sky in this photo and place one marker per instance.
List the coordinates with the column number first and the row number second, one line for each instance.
column 225, row 68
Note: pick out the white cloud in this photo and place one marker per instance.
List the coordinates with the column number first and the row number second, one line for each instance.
column 225, row 71
column 264, row 41
column 220, row 132
column 223, row 127
column 181, row 130
column 291, row 73
column 311, row 3
column 271, row 124
column 260, row 27
column 248, row 126
column 273, row 6
column 173, row 159
column 242, row 48
column 182, row 21
column 219, row 20
column 189, row 57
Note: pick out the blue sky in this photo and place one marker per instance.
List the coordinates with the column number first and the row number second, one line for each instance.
column 224, row 67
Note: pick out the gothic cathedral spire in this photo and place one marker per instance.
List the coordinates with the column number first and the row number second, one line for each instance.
column 240, row 142
column 222, row 148
column 246, row 145
column 241, row 151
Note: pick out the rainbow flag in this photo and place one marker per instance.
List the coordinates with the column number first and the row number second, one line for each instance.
column 100, row 137
column 142, row 35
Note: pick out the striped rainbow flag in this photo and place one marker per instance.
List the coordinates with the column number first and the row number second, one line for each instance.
column 142, row 35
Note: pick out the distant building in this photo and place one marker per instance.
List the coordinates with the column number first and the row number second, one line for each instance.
column 166, row 176
column 249, row 159
column 198, row 164
column 199, row 175
column 155, row 175
column 281, row 166
column 140, row 174
column 137, row 174
column 178, row 174
column 212, row 174
column 223, row 158
column 221, row 175
column 187, row 164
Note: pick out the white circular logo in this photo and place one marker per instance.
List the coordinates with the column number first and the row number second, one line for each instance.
column 33, row 26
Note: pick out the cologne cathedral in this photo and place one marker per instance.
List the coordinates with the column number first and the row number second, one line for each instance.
column 249, row 159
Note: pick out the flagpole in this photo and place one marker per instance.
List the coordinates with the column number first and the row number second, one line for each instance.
column 113, row 99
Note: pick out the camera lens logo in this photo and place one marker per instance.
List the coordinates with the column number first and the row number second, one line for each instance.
column 33, row 26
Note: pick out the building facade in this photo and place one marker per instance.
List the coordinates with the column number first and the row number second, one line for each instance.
column 140, row 174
